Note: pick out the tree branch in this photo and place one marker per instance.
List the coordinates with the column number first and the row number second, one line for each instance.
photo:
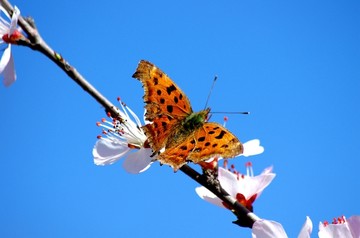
column 245, row 217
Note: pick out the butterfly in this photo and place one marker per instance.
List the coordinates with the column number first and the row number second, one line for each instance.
column 175, row 133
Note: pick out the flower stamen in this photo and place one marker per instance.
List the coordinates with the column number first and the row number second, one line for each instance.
column 121, row 133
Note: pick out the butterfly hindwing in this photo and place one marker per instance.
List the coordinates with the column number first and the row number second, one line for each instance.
column 210, row 140
column 177, row 155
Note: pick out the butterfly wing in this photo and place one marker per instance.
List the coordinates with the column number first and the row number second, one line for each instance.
column 210, row 140
column 215, row 140
column 166, row 105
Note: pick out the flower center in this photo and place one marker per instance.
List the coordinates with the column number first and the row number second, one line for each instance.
column 13, row 38
column 246, row 202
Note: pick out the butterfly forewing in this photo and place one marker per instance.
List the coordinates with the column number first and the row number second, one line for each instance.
column 162, row 95
column 166, row 105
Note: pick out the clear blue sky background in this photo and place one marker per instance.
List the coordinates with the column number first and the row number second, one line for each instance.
column 295, row 65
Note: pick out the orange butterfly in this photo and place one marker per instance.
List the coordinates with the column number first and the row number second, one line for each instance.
column 176, row 133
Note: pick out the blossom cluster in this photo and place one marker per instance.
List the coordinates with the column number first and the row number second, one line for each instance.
column 339, row 228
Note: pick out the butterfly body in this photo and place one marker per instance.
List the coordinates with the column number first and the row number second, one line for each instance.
column 176, row 133
column 195, row 120
column 186, row 127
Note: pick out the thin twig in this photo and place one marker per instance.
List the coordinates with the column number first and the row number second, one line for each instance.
column 245, row 217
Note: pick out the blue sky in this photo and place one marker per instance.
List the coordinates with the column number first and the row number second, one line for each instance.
column 293, row 64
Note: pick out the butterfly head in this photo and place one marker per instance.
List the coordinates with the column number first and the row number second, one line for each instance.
column 206, row 114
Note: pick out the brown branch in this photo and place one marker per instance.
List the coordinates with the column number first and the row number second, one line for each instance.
column 38, row 44
column 35, row 42
column 245, row 218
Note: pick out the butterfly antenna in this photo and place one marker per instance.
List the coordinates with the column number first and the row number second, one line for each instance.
column 246, row 113
column 212, row 86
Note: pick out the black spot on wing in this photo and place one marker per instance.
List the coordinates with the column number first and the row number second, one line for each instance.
column 170, row 89
column 176, row 100
column 156, row 81
column 169, row 108
column 158, row 92
column 201, row 138
column 207, row 143
column 211, row 132
column 184, row 147
column 221, row 135
column 162, row 100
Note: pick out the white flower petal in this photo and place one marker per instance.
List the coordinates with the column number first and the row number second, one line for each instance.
column 246, row 185
column 267, row 170
column 255, row 185
column 4, row 28
column 4, row 11
column 5, row 58
column 306, row 229
column 252, row 147
column 14, row 20
column 106, row 152
column 138, row 161
column 354, row 225
column 268, row 229
column 334, row 230
column 9, row 72
column 208, row 196
column 228, row 181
